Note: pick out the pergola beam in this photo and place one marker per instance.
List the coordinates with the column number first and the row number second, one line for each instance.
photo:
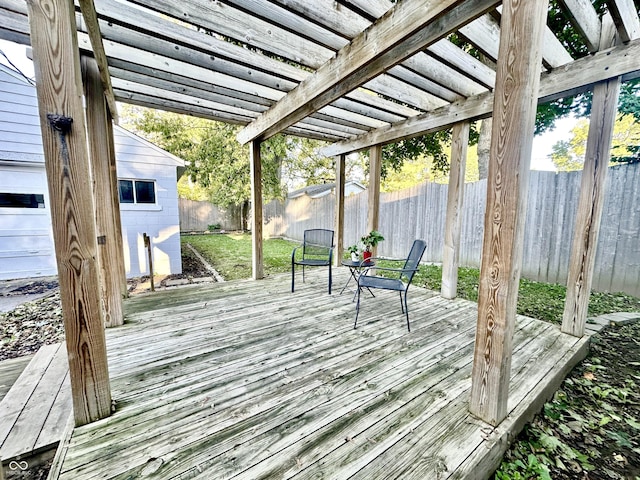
column 257, row 253
column 625, row 17
column 59, row 90
column 91, row 20
column 522, row 29
column 98, row 132
column 570, row 79
column 410, row 27
column 592, row 195
column 586, row 20
column 455, row 197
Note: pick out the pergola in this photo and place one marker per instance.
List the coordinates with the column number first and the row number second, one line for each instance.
column 358, row 73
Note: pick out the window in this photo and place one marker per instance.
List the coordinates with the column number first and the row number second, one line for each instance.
column 137, row 191
column 21, row 200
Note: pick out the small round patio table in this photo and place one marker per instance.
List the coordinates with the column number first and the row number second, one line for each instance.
column 355, row 268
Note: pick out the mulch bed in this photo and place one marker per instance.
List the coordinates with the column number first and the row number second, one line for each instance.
column 30, row 325
column 590, row 430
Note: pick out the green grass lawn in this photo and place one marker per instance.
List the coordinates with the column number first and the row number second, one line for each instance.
column 230, row 254
column 543, row 301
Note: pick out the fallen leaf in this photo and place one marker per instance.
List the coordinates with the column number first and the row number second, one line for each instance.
column 619, row 458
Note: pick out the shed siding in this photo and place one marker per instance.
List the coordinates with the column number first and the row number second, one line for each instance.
column 26, row 240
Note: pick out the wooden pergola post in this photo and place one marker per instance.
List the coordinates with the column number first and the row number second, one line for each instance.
column 339, row 206
column 591, row 201
column 115, row 201
column 59, row 89
column 375, row 166
column 516, row 92
column 257, row 266
column 453, row 221
column 98, row 133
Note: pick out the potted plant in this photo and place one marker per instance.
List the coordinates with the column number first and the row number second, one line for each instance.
column 370, row 241
column 354, row 251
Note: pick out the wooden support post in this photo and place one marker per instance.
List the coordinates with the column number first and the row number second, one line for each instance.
column 517, row 82
column 115, row 201
column 147, row 244
column 59, row 89
column 375, row 165
column 591, row 202
column 340, row 180
column 453, row 222
column 97, row 119
column 256, row 210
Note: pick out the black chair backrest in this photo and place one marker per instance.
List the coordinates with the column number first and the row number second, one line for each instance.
column 413, row 260
column 317, row 242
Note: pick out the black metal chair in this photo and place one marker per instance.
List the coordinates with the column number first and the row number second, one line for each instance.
column 316, row 251
column 398, row 280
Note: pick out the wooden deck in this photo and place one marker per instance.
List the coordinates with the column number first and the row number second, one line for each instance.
column 245, row 380
column 35, row 411
column 10, row 370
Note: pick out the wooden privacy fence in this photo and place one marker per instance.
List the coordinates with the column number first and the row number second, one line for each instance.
column 419, row 212
column 197, row 216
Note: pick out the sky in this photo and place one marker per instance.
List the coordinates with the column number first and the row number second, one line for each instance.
column 542, row 144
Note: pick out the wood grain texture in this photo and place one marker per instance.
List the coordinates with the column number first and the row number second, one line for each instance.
column 403, row 31
column 375, row 177
column 455, row 199
column 257, row 261
column 625, row 17
column 586, row 20
column 115, row 209
column 59, row 89
column 10, row 370
column 591, row 201
column 590, row 207
column 37, row 407
column 99, row 157
column 90, row 17
column 517, row 82
column 563, row 81
column 339, row 208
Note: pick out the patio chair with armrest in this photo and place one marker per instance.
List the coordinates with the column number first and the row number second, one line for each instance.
column 397, row 279
column 316, row 250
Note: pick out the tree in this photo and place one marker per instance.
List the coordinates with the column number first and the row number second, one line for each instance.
column 218, row 166
column 569, row 155
column 217, row 163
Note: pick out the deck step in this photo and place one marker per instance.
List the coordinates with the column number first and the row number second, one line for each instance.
column 34, row 412
column 10, row 370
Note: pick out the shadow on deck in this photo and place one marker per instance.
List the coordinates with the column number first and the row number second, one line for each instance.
column 246, row 380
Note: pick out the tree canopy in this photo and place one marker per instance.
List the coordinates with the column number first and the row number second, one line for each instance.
column 218, row 166
column 216, row 162
column 569, row 154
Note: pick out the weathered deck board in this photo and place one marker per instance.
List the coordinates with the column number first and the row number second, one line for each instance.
column 10, row 370
column 246, row 380
column 35, row 411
